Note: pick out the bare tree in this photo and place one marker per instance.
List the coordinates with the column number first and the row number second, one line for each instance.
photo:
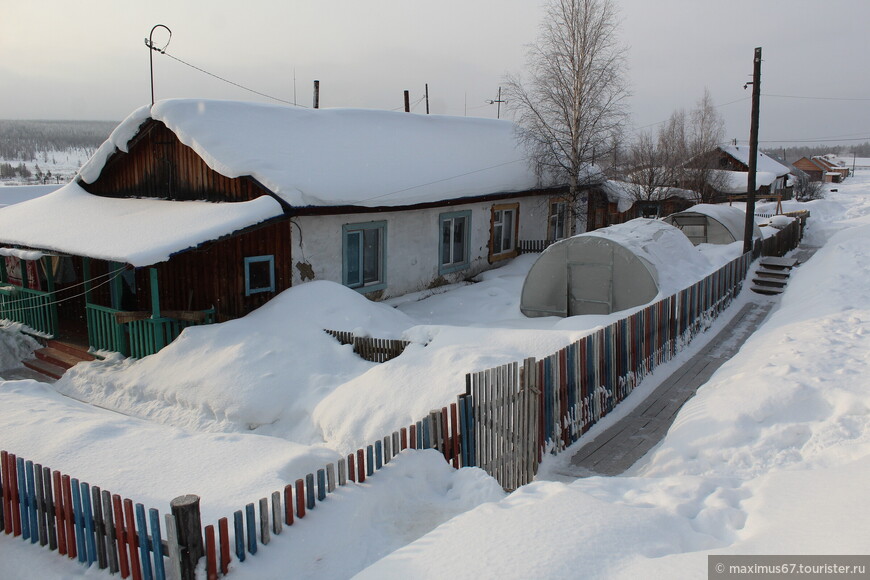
column 573, row 101
column 706, row 131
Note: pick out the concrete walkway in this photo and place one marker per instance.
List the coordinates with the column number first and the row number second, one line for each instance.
column 617, row 448
column 620, row 446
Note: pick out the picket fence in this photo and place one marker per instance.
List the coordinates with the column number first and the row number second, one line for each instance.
column 504, row 422
column 371, row 349
column 86, row 523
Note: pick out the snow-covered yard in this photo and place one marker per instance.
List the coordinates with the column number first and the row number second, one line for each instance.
column 234, row 411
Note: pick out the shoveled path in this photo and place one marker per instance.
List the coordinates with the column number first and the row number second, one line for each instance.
column 617, row 448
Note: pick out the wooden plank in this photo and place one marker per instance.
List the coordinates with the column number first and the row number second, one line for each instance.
column 251, row 528
column 210, row 554
column 288, row 504
column 173, row 564
column 99, row 528
column 224, row 533
column 300, row 498
column 330, row 477
column 342, row 471
column 88, row 516
column 48, row 502
column 120, row 536
column 109, row 527
column 309, row 491
column 132, row 540
column 142, row 538
column 157, row 544
column 265, row 528
column 277, row 513
column 239, row 528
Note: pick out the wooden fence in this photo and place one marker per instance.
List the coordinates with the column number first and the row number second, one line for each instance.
column 371, row 349
column 85, row 523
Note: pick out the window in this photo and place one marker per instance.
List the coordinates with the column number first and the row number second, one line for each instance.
column 364, row 249
column 453, row 246
column 558, row 221
column 503, row 243
column 259, row 274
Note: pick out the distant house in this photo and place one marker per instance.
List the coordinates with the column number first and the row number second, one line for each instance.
column 771, row 178
column 823, row 168
column 614, row 202
column 195, row 211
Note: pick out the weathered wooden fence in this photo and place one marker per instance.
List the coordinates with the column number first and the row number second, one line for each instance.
column 85, row 523
column 371, row 349
column 533, row 246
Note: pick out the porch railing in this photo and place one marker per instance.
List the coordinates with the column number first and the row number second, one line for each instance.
column 136, row 336
column 33, row 308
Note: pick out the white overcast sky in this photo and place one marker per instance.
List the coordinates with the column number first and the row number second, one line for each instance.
column 87, row 59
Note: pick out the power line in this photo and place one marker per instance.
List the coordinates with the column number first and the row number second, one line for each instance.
column 235, row 84
column 43, row 305
column 815, row 98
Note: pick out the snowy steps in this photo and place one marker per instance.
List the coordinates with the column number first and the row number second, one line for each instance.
column 772, row 275
column 618, row 447
column 55, row 358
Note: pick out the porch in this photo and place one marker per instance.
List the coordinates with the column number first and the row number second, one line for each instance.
column 51, row 306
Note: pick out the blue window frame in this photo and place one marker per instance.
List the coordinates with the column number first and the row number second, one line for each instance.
column 364, row 252
column 454, row 230
column 259, row 274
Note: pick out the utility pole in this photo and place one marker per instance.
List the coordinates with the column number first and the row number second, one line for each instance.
column 499, row 101
column 316, row 102
column 427, row 98
column 407, row 101
column 753, row 152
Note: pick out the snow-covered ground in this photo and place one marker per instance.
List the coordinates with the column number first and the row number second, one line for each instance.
column 234, row 411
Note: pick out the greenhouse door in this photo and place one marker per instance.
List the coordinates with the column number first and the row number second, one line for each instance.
column 590, row 283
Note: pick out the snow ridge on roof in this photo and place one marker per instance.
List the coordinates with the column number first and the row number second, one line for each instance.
column 765, row 164
column 335, row 157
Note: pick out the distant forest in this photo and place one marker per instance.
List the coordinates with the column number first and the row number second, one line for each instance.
column 25, row 140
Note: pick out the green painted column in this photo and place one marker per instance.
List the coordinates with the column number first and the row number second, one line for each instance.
column 49, row 281
column 155, row 293
column 86, row 274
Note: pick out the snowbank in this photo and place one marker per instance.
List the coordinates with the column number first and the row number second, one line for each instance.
column 265, row 372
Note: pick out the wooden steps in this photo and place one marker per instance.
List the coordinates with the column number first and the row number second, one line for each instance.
column 56, row 357
column 772, row 275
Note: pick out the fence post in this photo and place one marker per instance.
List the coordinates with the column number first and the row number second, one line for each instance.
column 185, row 508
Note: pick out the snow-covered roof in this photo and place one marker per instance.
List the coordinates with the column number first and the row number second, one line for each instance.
column 738, row 181
column 140, row 232
column 620, row 193
column 337, row 157
column 765, row 164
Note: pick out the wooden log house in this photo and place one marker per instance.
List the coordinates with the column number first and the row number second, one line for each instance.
column 201, row 211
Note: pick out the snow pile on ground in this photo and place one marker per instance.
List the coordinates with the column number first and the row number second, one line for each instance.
column 265, row 372
column 770, row 457
column 14, row 346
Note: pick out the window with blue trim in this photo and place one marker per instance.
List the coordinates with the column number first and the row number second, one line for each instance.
column 259, row 274
column 453, row 244
column 364, row 249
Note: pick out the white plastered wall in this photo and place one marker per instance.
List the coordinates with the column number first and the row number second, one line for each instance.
column 412, row 242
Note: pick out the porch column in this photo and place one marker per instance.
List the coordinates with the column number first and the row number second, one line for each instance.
column 25, row 283
column 49, row 282
column 4, row 277
column 86, row 274
column 160, row 330
column 155, row 294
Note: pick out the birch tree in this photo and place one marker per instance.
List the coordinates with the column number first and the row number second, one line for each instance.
column 572, row 102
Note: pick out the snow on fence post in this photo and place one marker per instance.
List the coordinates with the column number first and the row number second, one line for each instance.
column 188, row 522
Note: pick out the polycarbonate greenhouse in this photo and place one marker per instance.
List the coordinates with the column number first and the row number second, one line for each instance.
column 712, row 224
column 611, row 269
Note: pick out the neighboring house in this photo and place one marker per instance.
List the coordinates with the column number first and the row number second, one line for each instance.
column 198, row 210
column 823, row 168
column 771, row 178
column 616, row 202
